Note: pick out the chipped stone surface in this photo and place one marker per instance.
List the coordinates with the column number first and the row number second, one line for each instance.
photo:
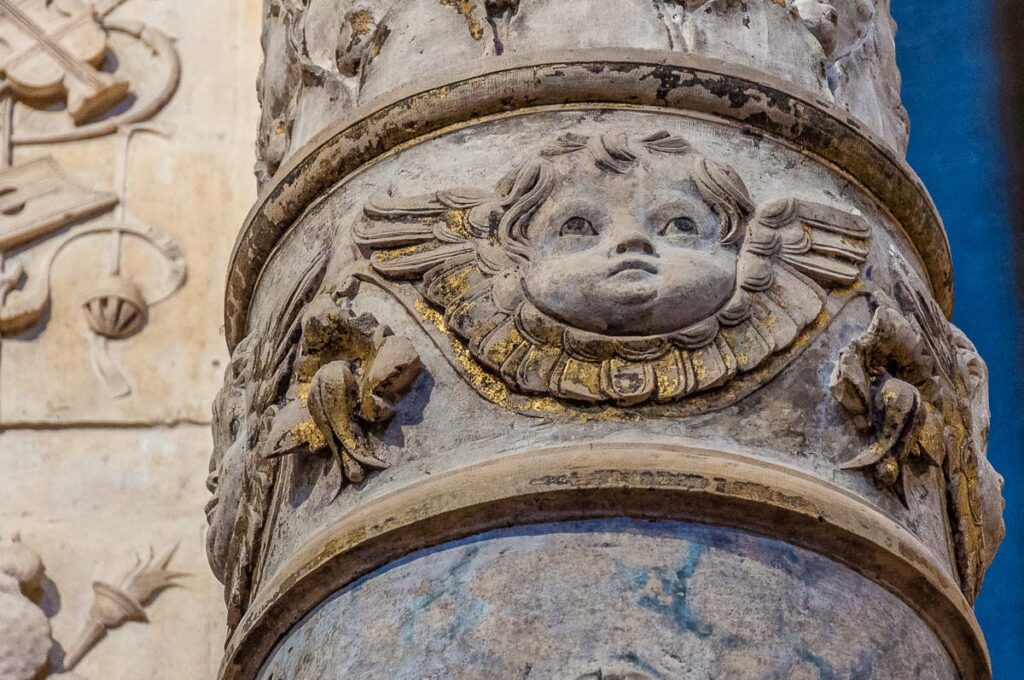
column 721, row 173
column 324, row 57
column 520, row 269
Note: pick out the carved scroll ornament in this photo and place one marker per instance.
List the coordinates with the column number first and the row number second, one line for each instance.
column 38, row 201
column 59, row 53
column 919, row 386
column 55, row 54
column 609, row 270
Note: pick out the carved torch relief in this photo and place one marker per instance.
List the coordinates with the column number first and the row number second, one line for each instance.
column 610, row 270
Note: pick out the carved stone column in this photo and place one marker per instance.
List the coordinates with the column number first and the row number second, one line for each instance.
column 582, row 339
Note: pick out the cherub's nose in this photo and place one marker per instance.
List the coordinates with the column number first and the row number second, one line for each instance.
column 633, row 241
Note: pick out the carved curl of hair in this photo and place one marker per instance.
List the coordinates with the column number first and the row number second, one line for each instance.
column 530, row 184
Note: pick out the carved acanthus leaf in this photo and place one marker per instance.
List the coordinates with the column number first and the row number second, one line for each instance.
column 915, row 381
column 241, row 480
column 350, row 374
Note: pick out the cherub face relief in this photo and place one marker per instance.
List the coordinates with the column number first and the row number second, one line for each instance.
column 628, row 253
column 616, row 268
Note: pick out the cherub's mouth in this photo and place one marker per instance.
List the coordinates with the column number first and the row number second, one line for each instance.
column 634, row 265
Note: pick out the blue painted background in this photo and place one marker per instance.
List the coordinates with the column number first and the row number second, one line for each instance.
column 950, row 87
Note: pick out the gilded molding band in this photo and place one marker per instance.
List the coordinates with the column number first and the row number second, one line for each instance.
column 608, row 78
column 600, row 481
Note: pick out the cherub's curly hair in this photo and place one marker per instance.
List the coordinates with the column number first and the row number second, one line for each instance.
column 526, row 188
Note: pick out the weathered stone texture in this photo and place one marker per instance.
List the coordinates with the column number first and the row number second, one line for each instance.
column 325, row 57
column 673, row 601
column 792, row 419
column 533, row 267
column 89, row 501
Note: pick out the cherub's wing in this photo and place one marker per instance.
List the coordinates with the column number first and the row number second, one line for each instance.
column 794, row 253
column 411, row 236
column 442, row 243
column 827, row 244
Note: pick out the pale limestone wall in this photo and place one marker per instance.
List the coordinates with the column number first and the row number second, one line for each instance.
column 90, row 479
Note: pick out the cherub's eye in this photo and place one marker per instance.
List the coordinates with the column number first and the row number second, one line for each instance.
column 578, row 226
column 679, row 225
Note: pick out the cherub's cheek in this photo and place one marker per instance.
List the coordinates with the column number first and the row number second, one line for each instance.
column 557, row 264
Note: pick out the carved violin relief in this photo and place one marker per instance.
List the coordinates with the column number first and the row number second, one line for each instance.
column 53, row 50
column 617, row 270
column 66, row 71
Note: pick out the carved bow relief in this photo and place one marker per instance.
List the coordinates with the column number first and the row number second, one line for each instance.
column 918, row 384
column 58, row 56
column 609, row 270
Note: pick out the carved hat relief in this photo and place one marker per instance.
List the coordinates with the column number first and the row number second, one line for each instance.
column 617, row 269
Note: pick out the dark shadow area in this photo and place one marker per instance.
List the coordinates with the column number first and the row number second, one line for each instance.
column 1009, row 34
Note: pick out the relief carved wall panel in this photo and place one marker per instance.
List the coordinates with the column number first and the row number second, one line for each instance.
column 100, row 166
column 122, row 158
